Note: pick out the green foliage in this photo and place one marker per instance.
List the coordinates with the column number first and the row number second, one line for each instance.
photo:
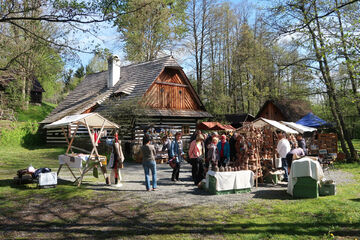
column 13, row 97
column 35, row 113
column 80, row 72
column 98, row 62
column 150, row 27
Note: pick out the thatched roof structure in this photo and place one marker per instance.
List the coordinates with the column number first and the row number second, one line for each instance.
column 289, row 110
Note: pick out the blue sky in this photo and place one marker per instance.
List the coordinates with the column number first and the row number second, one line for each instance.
column 107, row 37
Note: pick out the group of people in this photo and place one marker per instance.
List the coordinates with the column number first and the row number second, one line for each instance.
column 205, row 151
column 288, row 149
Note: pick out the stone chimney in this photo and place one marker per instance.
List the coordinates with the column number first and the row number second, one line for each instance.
column 114, row 70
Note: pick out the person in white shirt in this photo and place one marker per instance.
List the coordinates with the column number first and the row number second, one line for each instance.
column 283, row 148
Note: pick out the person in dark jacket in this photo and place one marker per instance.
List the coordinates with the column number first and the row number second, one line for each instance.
column 301, row 143
column 176, row 154
column 194, row 135
column 224, row 151
column 148, row 154
column 232, row 143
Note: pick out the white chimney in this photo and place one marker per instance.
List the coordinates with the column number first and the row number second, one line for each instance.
column 114, row 70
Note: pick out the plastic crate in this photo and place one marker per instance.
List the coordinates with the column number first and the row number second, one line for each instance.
column 47, row 179
column 327, row 189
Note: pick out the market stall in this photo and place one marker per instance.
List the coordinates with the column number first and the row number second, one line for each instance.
column 256, row 146
column 298, row 127
column 86, row 160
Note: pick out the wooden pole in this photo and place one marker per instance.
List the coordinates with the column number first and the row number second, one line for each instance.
column 65, row 135
column 87, row 161
column 72, row 139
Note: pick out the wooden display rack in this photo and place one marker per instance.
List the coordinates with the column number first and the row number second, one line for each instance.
column 91, row 121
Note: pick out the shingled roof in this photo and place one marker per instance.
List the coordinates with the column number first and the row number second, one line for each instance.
column 135, row 79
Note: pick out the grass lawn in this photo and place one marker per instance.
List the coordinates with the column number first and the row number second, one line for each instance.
column 36, row 113
column 70, row 212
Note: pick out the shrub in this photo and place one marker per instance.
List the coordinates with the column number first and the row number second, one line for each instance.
column 21, row 134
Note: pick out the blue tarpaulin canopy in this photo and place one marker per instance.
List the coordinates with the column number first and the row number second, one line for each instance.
column 311, row 120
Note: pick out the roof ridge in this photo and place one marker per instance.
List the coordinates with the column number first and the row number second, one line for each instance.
column 151, row 61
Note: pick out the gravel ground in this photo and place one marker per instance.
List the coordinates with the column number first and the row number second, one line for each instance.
column 185, row 193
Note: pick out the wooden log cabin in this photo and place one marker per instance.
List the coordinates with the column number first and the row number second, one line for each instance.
column 284, row 110
column 155, row 94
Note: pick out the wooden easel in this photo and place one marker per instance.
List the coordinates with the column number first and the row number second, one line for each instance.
column 94, row 149
column 87, row 168
column 69, row 147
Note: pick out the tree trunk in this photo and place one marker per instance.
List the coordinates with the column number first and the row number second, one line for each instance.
column 347, row 61
column 325, row 71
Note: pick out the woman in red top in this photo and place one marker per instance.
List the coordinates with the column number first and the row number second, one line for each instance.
column 196, row 155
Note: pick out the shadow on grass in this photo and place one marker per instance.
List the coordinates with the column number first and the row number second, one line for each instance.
column 122, row 217
column 279, row 194
column 355, row 199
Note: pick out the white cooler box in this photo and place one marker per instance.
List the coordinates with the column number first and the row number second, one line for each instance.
column 47, row 179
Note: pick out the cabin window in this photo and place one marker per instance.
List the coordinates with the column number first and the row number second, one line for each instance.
column 180, row 92
column 162, row 90
column 186, row 129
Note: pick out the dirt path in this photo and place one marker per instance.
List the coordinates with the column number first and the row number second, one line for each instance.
column 186, row 194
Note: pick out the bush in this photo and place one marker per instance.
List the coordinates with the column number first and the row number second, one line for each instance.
column 21, row 134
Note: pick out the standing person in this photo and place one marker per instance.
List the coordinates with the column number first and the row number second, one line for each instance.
column 166, row 144
column 118, row 160
column 176, row 154
column 294, row 154
column 224, row 151
column 232, row 143
column 148, row 153
column 194, row 135
column 283, row 148
column 301, row 142
column 212, row 158
column 196, row 155
column 208, row 141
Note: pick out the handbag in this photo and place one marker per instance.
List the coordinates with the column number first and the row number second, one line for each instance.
column 172, row 163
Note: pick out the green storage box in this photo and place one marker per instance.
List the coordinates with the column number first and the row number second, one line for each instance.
column 327, row 189
column 212, row 188
column 271, row 178
column 306, row 187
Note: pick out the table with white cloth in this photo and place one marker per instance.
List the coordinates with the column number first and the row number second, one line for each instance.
column 73, row 160
column 77, row 160
column 229, row 182
column 304, row 167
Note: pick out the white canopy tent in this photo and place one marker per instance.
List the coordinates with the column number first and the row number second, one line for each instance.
column 262, row 122
column 94, row 120
column 91, row 121
column 298, row 127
